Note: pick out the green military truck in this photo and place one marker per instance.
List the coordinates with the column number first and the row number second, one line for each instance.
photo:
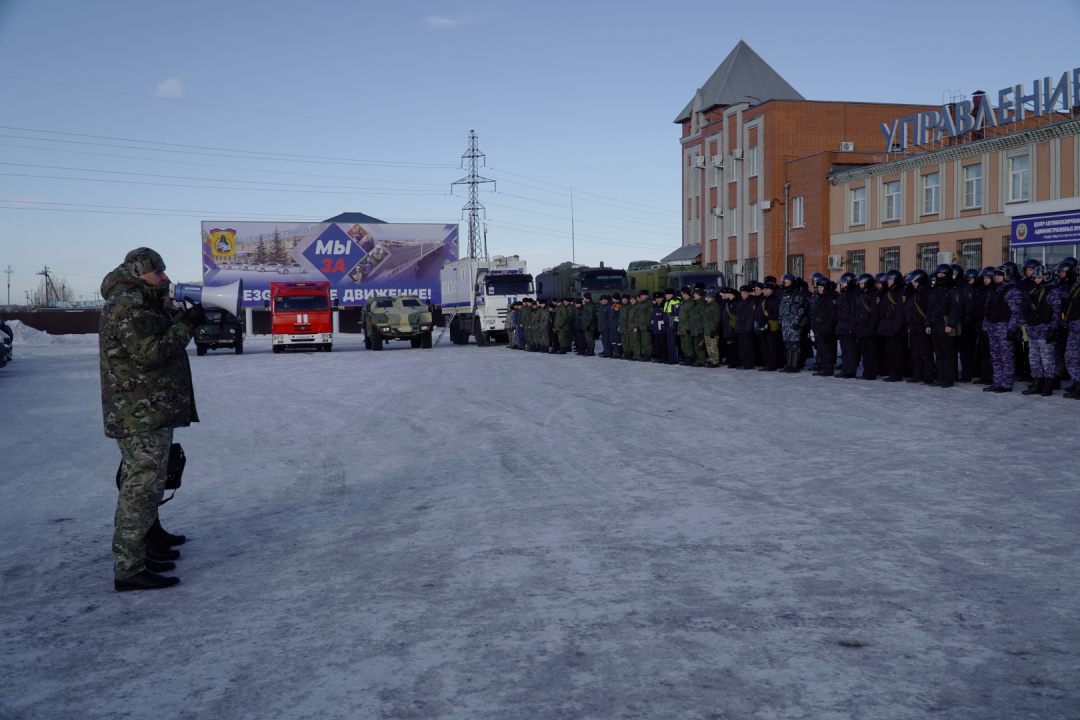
column 401, row 317
column 662, row 277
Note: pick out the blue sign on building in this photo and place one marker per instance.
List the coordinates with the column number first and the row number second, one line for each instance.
column 1052, row 229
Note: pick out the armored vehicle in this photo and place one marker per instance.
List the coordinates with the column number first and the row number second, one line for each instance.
column 402, row 317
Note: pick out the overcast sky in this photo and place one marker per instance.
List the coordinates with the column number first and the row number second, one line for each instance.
column 126, row 123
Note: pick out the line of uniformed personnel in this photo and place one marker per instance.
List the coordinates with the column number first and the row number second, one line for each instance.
column 988, row 327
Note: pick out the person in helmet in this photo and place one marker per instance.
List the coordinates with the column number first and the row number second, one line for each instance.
column 1004, row 310
column 1070, row 313
column 1042, row 315
column 915, row 314
column 845, row 327
column 865, row 313
column 965, row 341
column 892, row 324
column 943, row 324
column 982, row 368
column 1027, row 272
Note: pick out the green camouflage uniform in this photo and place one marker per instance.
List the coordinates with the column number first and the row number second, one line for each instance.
column 564, row 325
column 644, row 325
column 686, row 339
column 526, row 322
column 146, row 391
column 697, row 331
column 588, row 317
column 508, row 326
column 711, row 319
column 627, row 323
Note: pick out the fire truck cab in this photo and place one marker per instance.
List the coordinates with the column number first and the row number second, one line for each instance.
column 302, row 315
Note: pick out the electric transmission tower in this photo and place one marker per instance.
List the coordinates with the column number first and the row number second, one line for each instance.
column 477, row 243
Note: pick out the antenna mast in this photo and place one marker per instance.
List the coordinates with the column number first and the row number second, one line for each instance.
column 477, row 244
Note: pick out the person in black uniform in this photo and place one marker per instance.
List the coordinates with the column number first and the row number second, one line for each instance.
column 823, row 320
column 892, row 324
column 942, row 320
column 922, row 350
column 744, row 326
column 865, row 319
column 845, row 326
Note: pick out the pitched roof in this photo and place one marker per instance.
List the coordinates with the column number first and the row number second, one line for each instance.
column 683, row 254
column 348, row 217
column 742, row 77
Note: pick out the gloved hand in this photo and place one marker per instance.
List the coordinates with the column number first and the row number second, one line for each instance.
column 1052, row 335
column 1011, row 336
column 192, row 312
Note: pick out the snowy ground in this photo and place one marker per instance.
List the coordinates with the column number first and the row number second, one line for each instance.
column 474, row 532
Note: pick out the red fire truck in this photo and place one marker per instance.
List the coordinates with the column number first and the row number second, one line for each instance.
column 301, row 315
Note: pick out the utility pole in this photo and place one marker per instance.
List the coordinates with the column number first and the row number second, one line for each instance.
column 9, row 271
column 48, row 284
column 477, row 245
column 573, row 253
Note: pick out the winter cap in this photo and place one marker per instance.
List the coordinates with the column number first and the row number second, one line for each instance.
column 657, row 295
column 644, row 292
column 587, row 296
column 144, row 260
column 669, row 291
column 605, row 297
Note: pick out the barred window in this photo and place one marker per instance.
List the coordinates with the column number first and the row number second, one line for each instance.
column 795, row 265
column 729, row 271
column 971, row 254
column 927, row 255
column 750, row 267
column 856, row 261
column 889, row 259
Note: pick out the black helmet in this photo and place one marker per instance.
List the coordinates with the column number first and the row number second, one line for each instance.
column 864, row 278
column 786, row 277
column 1006, row 270
column 896, row 276
column 818, row 279
column 1072, row 261
column 1044, row 273
column 943, row 269
column 971, row 273
column 1011, row 264
column 1031, row 263
column 918, row 275
column 957, row 272
column 880, row 278
column 1068, row 270
column 986, row 272
column 846, row 278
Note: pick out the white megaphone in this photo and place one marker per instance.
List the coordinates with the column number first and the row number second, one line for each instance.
column 226, row 297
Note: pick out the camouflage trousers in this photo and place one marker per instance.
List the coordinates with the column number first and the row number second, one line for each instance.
column 646, row 343
column 1042, row 358
column 1072, row 351
column 712, row 347
column 632, row 344
column 1001, row 353
column 142, row 483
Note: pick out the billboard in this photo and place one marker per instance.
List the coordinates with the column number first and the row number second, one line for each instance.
column 360, row 260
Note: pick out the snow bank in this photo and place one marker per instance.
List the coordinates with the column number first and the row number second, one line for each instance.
column 30, row 337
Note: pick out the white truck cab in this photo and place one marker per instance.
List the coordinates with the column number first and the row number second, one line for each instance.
column 476, row 295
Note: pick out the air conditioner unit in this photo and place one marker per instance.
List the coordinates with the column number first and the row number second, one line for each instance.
column 737, row 153
column 699, row 162
column 847, row 147
column 718, row 211
column 836, row 262
column 766, row 204
column 718, row 161
column 944, row 258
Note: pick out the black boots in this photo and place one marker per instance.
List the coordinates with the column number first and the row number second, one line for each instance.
column 145, row 580
column 1036, row 387
column 159, row 536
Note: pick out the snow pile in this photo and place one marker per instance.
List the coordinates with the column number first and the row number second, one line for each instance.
column 31, row 337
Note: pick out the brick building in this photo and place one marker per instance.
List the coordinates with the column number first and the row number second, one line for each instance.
column 1007, row 191
column 755, row 161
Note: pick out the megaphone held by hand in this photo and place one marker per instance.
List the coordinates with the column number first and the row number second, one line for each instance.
column 226, row 297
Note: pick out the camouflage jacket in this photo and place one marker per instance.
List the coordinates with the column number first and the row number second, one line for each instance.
column 145, row 376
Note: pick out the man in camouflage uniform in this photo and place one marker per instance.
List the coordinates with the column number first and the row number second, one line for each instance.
column 564, row 325
column 644, row 327
column 589, row 324
column 628, row 328
column 525, row 323
column 146, row 392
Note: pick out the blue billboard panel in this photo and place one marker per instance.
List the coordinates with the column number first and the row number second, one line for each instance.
column 360, row 260
column 1051, row 229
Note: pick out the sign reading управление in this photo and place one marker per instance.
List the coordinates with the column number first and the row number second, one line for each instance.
column 962, row 117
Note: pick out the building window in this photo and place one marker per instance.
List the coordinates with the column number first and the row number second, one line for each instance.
column 858, row 206
column 931, row 194
column 797, row 217
column 888, row 259
column 1019, row 178
column 972, row 186
column 971, row 254
column 752, row 218
column 795, row 265
column 715, row 226
column 752, row 161
column 750, row 266
column 731, row 173
column 733, row 213
column 892, row 200
column 729, row 272
column 856, row 261
column 927, row 255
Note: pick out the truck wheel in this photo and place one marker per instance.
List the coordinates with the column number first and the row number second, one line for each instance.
column 328, row 348
column 367, row 342
column 454, row 331
column 239, row 348
column 415, row 342
column 481, row 336
column 199, row 350
column 425, row 340
column 376, row 342
column 277, row 349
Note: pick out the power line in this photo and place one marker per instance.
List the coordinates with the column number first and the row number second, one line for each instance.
column 578, row 192
column 588, row 212
column 530, row 230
